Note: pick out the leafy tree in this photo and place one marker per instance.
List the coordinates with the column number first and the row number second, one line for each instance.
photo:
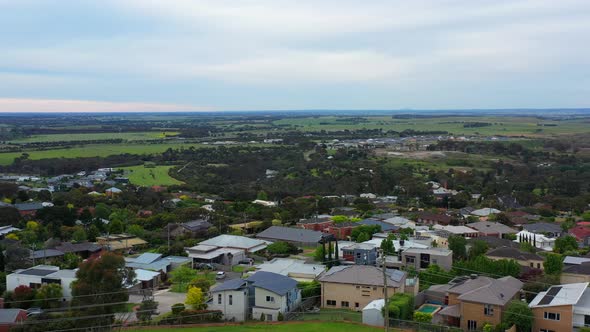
column 116, row 227
column 201, row 282
column 136, row 230
column 178, row 308
column 369, row 230
column 362, row 237
column 23, row 296
column 100, row 288
column 525, row 246
column 319, row 254
column 195, row 298
column 70, row 261
column 340, row 219
column 401, row 306
column 281, row 248
column 17, row 258
column 457, row 246
column 146, row 310
column 93, row 232
column 48, row 296
column 387, row 245
column 553, row 264
column 434, row 275
column 485, row 265
column 565, row 243
column 79, row 235
column 518, row 313
column 422, row 317
column 478, row 248
column 181, row 277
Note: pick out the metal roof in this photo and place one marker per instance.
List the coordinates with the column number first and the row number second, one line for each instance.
column 9, row 315
column 558, row 295
column 273, row 282
column 362, row 275
column 233, row 284
column 291, row 234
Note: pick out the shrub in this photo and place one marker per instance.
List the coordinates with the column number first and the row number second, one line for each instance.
column 422, row 317
column 178, row 308
column 281, row 248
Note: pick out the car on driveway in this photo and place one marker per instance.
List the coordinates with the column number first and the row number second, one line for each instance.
column 220, row 275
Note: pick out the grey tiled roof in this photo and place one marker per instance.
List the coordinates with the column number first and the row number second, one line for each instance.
column 290, row 234
column 233, row 284
column 9, row 315
column 273, row 282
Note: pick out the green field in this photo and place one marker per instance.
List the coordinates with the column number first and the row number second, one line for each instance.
column 155, row 176
column 284, row 327
column 501, row 125
column 103, row 150
column 137, row 136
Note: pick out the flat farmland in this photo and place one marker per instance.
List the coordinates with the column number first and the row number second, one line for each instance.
column 129, row 136
column 499, row 125
column 150, row 176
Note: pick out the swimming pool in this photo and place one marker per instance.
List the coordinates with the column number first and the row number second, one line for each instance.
column 429, row 308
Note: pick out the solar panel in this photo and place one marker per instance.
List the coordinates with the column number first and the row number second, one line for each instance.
column 550, row 295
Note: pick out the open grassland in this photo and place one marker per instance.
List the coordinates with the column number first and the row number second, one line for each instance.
column 284, row 327
column 500, row 125
column 150, row 176
column 136, row 136
column 105, row 150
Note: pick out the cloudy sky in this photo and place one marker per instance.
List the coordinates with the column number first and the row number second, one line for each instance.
column 164, row 55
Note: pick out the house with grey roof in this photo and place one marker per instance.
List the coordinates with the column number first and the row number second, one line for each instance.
column 525, row 259
column 490, row 228
column 272, row 294
column 296, row 236
column 156, row 262
column 354, row 286
column 193, row 228
column 472, row 301
column 5, row 230
column 263, row 295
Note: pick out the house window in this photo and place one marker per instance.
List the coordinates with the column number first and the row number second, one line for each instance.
column 532, row 265
column 471, row 325
column 356, row 305
column 268, row 317
column 270, row 299
column 218, row 298
column 358, row 255
column 344, row 304
column 231, row 299
column 330, row 302
column 538, row 265
column 552, row 316
column 586, row 320
column 488, row 309
column 410, row 259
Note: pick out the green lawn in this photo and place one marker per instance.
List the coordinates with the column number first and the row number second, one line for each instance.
column 284, row 327
column 154, row 176
column 136, row 136
column 332, row 315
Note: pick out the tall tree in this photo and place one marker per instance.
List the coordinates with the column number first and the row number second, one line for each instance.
column 553, row 264
column 100, row 289
column 518, row 313
column 457, row 246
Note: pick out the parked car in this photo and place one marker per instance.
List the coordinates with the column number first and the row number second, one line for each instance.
column 204, row 266
column 220, row 275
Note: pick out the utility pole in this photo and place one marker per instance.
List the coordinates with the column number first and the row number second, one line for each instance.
column 386, row 313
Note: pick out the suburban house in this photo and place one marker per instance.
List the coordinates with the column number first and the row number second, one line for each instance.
column 224, row 249
column 39, row 275
column 292, row 268
column 232, row 299
column 341, row 231
column 10, row 318
column 361, row 253
column 120, row 242
column 28, row 209
column 421, row 258
column 463, row 231
column 272, row 294
column 575, row 270
column 541, row 240
column 296, row 236
column 155, row 262
column 525, row 259
column 581, row 232
column 385, row 227
column 472, row 301
column 194, row 228
column 561, row 308
column 489, row 228
column 428, row 218
column 355, row 286
column 82, row 249
column 47, row 254
column 484, row 214
column 496, row 242
column 316, row 224
column 401, row 222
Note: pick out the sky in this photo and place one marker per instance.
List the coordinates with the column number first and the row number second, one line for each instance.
column 181, row 55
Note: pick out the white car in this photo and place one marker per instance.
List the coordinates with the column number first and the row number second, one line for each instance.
column 220, row 275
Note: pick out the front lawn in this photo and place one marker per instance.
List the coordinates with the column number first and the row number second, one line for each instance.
column 283, row 327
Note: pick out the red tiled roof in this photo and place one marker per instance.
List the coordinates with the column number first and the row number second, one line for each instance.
column 580, row 232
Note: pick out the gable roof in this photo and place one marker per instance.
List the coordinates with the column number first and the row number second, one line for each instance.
column 362, row 275
column 384, row 225
column 273, row 282
column 513, row 253
column 67, row 247
column 281, row 233
column 580, row 232
column 196, row 225
column 437, row 217
column 581, row 268
column 235, row 241
column 28, row 206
